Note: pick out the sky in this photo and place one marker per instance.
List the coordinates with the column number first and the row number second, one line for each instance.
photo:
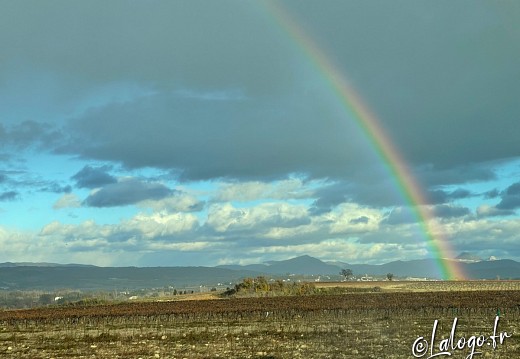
column 165, row 133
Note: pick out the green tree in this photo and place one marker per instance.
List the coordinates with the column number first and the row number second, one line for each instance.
column 46, row 299
column 347, row 273
column 261, row 284
column 277, row 286
column 390, row 276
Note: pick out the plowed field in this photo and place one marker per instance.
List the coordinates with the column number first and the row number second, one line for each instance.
column 361, row 325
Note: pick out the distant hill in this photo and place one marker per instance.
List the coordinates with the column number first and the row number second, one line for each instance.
column 496, row 269
column 420, row 268
column 48, row 276
column 110, row 278
column 306, row 265
column 40, row 264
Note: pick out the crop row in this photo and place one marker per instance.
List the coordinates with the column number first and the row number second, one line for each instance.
column 275, row 305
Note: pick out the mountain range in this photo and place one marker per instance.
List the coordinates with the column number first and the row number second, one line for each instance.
column 472, row 266
column 47, row 276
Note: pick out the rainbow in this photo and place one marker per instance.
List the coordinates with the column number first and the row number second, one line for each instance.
column 367, row 121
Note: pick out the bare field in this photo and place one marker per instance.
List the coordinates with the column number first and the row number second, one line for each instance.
column 425, row 286
column 382, row 324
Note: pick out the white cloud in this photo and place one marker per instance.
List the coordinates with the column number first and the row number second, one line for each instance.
column 492, row 232
column 292, row 232
column 133, row 234
column 256, row 233
column 14, row 244
column 180, row 202
column 486, row 210
column 352, row 218
column 159, row 225
column 68, row 200
column 255, row 190
column 259, row 219
column 182, row 247
column 86, row 229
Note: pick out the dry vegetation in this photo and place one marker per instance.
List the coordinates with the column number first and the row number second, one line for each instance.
column 425, row 286
column 361, row 324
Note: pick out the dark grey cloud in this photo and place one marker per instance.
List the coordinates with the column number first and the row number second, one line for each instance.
column 362, row 219
column 26, row 180
column 510, row 198
column 370, row 186
column 29, row 134
column 196, row 207
column 126, row 192
column 225, row 96
column 509, row 202
column 206, row 139
column 435, row 97
column 400, row 215
column 450, row 211
column 93, row 177
column 494, row 193
column 461, row 193
column 436, row 176
column 438, row 196
column 163, row 43
column 9, row 196
column 404, row 215
column 26, row 133
column 56, row 188
column 329, row 197
column 23, row 179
